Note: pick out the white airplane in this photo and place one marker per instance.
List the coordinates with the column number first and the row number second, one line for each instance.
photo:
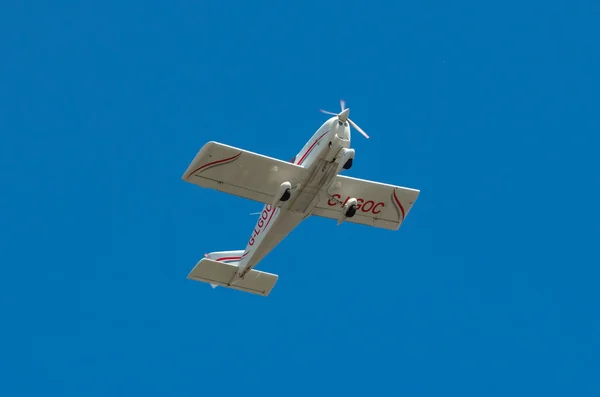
column 309, row 184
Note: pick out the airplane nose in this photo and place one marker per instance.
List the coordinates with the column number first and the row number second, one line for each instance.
column 344, row 115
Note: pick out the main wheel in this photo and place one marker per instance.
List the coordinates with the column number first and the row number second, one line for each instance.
column 351, row 211
column 286, row 195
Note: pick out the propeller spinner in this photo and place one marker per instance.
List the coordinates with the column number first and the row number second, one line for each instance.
column 343, row 117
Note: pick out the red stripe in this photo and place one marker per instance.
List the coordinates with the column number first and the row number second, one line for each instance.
column 269, row 221
column 267, row 224
column 228, row 258
column 400, row 204
column 310, row 149
column 215, row 162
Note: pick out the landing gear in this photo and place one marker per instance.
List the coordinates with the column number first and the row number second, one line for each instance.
column 345, row 158
column 351, row 211
column 283, row 193
column 348, row 164
column 348, row 209
column 286, row 195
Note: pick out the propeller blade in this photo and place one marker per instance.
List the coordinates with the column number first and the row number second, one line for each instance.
column 343, row 104
column 326, row 112
column 358, row 128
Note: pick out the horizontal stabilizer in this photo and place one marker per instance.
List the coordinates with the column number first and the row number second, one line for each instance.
column 220, row 273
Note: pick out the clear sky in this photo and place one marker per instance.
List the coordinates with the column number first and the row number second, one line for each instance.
column 490, row 288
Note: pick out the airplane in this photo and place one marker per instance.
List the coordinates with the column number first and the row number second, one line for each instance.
column 310, row 184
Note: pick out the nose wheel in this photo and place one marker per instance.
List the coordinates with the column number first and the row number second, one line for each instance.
column 348, row 164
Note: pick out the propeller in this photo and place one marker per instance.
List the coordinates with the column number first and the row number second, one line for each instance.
column 343, row 116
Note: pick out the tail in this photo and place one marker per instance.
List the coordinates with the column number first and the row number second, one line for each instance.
column 220, row 268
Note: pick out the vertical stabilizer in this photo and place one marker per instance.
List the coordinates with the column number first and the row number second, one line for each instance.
column 231, row 257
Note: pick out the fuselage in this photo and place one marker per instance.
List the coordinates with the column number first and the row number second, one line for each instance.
column 323, row 155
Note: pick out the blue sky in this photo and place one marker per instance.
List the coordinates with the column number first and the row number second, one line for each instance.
column 488, row 289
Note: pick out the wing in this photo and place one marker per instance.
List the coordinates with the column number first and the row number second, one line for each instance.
column 242, row 173
column 379, row 204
